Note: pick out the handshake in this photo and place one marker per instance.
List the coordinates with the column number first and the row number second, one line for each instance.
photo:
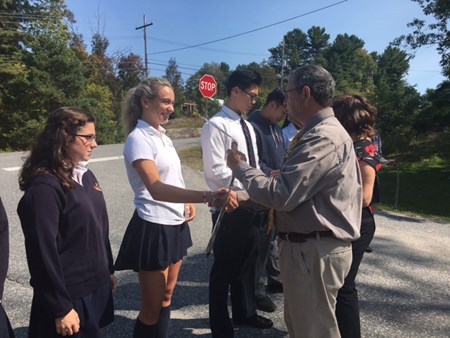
column 223, row 198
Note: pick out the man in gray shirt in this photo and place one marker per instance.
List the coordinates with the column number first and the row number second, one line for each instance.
column 317, row 198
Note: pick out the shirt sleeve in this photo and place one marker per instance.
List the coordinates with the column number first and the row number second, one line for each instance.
column 39, row 212
column 305, row 172
column 214, row 151
column 367, row 151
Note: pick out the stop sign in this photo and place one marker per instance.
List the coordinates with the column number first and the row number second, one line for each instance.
column 207, row 86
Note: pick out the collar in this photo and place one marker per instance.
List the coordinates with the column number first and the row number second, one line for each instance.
column 257, row 117
column 320, row 116
column 79, row 171
column 231, row 113
column 150, row 129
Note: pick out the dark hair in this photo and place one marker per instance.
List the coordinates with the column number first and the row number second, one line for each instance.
column 356, row 115
column 243, row 79
column 277, row 96
column 318, row 79
column 132, row 106
column 49, row 153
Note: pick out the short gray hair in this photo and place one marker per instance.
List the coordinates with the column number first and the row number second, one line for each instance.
column 318, row 79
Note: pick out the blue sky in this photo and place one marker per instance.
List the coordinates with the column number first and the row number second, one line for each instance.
column 180, row 23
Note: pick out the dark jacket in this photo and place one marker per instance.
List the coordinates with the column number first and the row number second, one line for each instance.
column 66, row 240
column 270, row 141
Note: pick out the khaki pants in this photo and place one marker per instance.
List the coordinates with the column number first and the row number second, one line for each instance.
column 312, row 272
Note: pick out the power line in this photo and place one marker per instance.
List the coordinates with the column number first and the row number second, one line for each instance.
column 250, row 31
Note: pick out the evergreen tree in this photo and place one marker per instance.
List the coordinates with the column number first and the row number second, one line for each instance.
column 173, row 75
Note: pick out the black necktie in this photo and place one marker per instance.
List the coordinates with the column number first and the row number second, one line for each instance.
column 248, row 140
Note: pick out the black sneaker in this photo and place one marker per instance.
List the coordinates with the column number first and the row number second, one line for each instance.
column 265, row 304
column 257, row 321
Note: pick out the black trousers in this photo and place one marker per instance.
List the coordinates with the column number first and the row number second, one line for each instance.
column 347, row 306
column 235, row 254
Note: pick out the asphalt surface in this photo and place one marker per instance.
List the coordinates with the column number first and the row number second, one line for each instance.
column 404, row 285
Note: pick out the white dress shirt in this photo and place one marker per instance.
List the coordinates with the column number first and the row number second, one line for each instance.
column 216, row 138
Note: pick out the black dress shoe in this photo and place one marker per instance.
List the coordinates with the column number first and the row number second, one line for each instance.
column 369, row 249
column 257, row 321
column 265, row 304
column 275, row 288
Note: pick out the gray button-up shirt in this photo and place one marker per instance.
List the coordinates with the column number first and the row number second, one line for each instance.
column 319, row 187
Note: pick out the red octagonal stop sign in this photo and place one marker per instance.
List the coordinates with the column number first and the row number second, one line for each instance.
column 207, row 86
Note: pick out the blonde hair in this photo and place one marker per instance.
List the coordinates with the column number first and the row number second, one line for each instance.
column 132, row 106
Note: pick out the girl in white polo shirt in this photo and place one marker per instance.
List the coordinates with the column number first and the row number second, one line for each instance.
column 158, row 236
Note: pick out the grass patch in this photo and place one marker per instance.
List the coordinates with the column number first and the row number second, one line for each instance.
column 185, row 122
column 421, row 191
column 192, row 157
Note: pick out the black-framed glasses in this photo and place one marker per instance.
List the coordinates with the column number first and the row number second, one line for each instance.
column 89, row 137
column 253, row 97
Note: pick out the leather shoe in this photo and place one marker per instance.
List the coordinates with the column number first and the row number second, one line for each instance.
column 256, row 321
column 369, row 249
column 275, row 288
column 265, row 304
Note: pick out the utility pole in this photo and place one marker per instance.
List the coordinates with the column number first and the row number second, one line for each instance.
column 144, row 26
column 283, row 64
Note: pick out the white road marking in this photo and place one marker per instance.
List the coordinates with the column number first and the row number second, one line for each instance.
column 101, row 159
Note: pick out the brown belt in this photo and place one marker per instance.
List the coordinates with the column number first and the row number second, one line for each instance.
column 296, row 237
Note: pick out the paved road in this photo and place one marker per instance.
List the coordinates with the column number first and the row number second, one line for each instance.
column 404, row 284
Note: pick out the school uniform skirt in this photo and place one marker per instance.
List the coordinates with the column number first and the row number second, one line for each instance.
column 96, row 310
column 6, row 330
column 151, row 246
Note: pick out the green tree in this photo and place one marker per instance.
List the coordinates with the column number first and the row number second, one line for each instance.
column 434, row 115
column 351, row 65
column 131, row 70
column 173, row 75
column 51, row 73
column 433, row 34
column 290, row 53
column 397, row 102
column 298, row 48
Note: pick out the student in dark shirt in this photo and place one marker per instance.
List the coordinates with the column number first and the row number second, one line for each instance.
column 271, row 150
column 5, row 327
column 65, row 224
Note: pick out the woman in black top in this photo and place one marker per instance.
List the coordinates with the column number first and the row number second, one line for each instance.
column 5, row 327
column 65, row 224
column 357, row 116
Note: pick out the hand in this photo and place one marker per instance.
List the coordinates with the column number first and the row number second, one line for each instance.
column 275, row 173
column 234, row 157
column 113, row 282
column 189, row 212
column 226, row 198
column 69, row 324
column 232, row 202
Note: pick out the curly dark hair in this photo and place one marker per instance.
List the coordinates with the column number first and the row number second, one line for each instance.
column 356, row 115
column 49, row 153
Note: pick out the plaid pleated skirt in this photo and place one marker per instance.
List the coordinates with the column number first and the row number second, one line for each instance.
column 151, row 246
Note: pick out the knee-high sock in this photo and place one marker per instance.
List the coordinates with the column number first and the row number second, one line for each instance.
column 144, row 331
column 162, row 330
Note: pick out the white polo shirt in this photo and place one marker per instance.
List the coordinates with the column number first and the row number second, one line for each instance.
column 147, row 143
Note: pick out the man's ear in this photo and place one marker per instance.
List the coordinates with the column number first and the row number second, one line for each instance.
column 306, row 93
